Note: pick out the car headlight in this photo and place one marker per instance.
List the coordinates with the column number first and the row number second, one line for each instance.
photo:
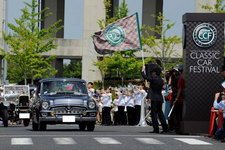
column 85, row 102
column 91, row 105
column 45, row 105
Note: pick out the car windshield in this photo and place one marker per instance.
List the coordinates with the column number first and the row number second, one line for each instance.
column 63, row 87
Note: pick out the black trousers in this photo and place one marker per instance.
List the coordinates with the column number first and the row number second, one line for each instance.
column 131, row 115
column 176, row 116
column 121, row 117
column 116, row 117
column 138, row 113
column 156, row 111
column 224, row 124
column 106, row 117
column 215, row 127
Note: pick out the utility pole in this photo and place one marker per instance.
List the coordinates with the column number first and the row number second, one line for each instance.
column 5, row 29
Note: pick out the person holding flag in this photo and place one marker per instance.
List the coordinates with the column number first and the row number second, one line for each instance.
column 156, row 98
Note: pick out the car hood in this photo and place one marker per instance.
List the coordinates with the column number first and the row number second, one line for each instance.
column 66, row 100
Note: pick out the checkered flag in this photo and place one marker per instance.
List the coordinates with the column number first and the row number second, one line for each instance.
column 121, row 35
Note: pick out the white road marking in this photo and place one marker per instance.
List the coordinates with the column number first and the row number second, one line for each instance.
column 21, row 141
column 96, row 135
column 106, row 140
column 64, row 141
column 192, row 141
column 149, row 141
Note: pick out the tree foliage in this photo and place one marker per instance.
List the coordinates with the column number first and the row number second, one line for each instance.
column 119, row 66
column 120, row 12
column 28, row 42
column 72, row 70
column 164, row 47
column 216, row 8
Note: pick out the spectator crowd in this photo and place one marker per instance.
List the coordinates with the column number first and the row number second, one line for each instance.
column 219, row 103
column 125, row 108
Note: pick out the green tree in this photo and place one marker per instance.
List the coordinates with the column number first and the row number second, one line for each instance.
column 28, row 42
column 216, row 8
column 72, row 70
column 124, row 66
column 164, row 47
column 14, row 73
column 102, row 65
column 120, row 12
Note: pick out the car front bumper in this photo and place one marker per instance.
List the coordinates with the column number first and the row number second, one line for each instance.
column 59, row 119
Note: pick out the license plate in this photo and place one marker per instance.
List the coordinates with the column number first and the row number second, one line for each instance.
column 24, row 115
column 68, row 119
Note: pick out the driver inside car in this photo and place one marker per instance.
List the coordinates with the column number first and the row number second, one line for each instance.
column 49, row 88
column 77, row 91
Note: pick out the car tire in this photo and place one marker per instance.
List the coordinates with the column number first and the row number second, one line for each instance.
column 26, row 122
column 43, row 126
column 82, row 126
column 5, row 118
column 35, row 126
column 91, row 126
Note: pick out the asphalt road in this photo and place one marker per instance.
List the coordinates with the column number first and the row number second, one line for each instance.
column 68, row 137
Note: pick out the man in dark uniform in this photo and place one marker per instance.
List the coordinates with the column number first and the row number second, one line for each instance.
column 156, row 98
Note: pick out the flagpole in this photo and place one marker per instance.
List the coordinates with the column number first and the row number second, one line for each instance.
column 142, row 53
column 143, row 60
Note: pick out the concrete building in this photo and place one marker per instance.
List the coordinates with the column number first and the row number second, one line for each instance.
column 1, row 15
column 83, row 48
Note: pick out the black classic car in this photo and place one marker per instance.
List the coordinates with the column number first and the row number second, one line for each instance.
column 63, row 101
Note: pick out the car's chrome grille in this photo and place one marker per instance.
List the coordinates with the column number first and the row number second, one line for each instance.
column 68, row 110
column 64, row 102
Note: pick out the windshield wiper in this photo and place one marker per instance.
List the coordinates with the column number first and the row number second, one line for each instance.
column 70, row 93
column 51, row 93
column 60, row 92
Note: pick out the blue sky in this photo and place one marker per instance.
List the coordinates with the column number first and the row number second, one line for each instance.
column 173, row 10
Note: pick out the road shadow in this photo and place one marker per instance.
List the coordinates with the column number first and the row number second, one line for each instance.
column 14, row 126
column 73, row 130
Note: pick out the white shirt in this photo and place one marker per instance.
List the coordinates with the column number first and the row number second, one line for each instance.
column 125, row 103
column 122, row 100
column 139, row 97
column 220, row 105
column 107, row 100
column 130, row 101
column 215, row 105
column 91, row 94
column 116, row 101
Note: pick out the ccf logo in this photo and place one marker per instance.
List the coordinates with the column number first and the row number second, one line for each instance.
column 115, row 35
column 205, row 35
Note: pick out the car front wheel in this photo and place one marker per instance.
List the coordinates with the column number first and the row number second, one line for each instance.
column 26, row 122
column 43, row 126
column 35, row 126
column 91, row 126
column 82, row 126
column 5, row 118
